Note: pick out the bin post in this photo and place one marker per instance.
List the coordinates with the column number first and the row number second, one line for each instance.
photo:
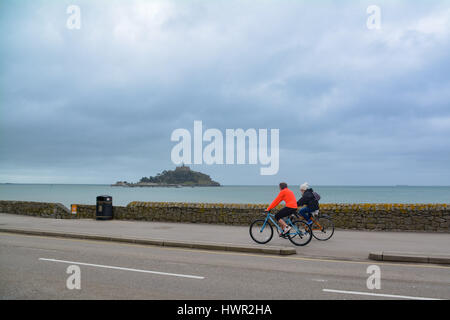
column 104, row 208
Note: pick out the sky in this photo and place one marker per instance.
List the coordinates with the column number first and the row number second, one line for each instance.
column 98, row 104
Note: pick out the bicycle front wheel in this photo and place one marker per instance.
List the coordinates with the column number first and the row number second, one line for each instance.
column 261, row 233
column 300, row 234
column 322, row 228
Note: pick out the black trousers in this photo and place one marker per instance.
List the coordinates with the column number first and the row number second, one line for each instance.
column 285, row 212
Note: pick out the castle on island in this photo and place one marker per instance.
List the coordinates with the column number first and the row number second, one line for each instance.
column 182, row 176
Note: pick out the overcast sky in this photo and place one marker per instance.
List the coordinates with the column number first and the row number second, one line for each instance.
column 354, row 106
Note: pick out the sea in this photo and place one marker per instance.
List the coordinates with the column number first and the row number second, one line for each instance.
column 68, row 194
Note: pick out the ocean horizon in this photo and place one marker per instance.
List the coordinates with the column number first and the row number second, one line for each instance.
column 68, row 194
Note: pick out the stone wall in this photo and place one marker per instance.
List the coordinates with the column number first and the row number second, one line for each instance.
column 29, row 208
column 388, row 217
column 392, row 217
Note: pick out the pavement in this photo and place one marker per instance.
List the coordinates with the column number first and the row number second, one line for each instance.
column 344, row 245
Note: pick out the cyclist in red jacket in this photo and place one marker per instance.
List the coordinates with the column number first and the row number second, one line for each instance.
column 288, row 197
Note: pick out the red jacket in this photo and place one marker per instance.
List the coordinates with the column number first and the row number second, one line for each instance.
column 287, row 196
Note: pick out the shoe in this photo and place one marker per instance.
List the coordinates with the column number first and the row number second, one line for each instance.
column 286, row 230
column 309, row 222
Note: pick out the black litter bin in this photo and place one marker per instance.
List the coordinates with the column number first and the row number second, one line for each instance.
column 104, row 209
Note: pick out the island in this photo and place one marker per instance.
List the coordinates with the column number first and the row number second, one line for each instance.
column 182, row 176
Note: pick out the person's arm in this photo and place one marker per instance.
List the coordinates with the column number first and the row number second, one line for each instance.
column 276, row 201
column 301, row 202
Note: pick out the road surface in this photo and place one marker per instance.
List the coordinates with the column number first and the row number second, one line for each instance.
column 35, row 267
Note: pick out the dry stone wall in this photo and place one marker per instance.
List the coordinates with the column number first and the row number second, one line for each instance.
column 387, row 217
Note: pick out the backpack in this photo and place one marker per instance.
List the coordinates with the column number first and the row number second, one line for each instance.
column 316, row 196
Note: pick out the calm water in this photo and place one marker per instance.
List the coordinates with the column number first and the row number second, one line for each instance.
column 86, row 194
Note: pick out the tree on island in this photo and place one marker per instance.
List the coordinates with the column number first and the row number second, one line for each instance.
column 182, row 176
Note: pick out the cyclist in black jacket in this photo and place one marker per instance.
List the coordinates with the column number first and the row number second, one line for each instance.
column 309, row 200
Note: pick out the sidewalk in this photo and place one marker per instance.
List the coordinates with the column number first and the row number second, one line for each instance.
column 348, row 245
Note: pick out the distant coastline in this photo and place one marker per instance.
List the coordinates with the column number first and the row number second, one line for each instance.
column 155, row 185
column 180, row 177
column 139, row 184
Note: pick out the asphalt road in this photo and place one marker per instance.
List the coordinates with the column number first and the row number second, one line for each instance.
column 34, row 267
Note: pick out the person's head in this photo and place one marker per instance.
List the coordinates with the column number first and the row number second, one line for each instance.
column 304, row 187
column 283, row 185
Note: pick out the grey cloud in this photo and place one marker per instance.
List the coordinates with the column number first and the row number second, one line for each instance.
column 100, row 103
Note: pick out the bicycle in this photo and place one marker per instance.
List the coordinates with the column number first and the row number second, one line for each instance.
column 322, row 227
column 261, row 230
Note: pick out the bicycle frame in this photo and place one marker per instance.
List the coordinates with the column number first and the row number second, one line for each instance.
column 315, row 225
column 271, row 217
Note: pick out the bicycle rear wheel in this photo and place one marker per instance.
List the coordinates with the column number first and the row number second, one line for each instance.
column 323, row 228
column 258, row 234
column 300, row 234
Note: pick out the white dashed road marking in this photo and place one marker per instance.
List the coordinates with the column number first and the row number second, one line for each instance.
column 124, row 269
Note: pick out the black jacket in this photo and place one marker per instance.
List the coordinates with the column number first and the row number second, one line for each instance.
column 308, row 199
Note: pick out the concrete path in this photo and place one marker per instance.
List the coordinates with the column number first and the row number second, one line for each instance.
column 344, row 245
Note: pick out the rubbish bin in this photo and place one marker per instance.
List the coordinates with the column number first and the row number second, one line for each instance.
column 104, row 209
